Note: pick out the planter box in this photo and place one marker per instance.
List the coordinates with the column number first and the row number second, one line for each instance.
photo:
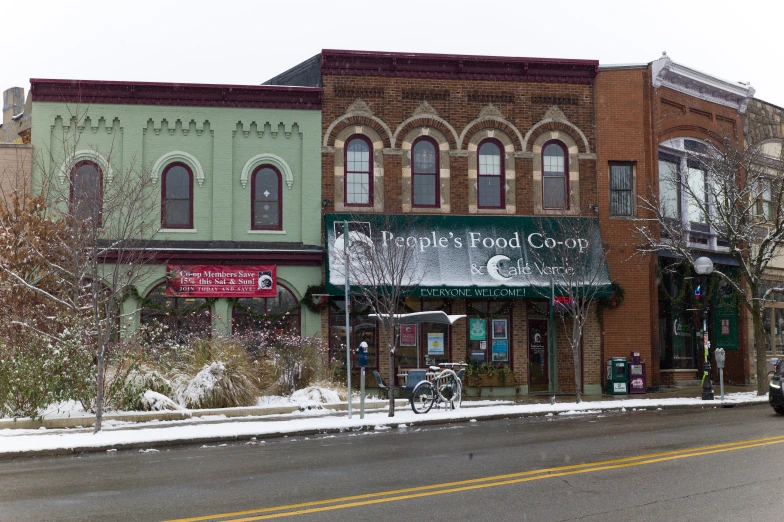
column 492, row 381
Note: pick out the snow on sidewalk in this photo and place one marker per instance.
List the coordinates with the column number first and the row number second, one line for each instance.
column 11, row 442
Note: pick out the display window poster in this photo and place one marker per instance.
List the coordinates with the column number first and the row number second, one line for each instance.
column 500, row 350
column 221, row 281
column 499, row 329
column 408, row 335
column 477, row 329
column 435, row 344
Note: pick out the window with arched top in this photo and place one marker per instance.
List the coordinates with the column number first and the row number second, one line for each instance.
column 267, row 198
column 251, row 315
column 86, row 192
column 179, row 318
column 490, row 175
column 177, row 196
column 358, row 171
column 425, row 173
column 555, row 185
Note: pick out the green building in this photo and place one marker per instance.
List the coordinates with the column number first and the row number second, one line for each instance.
column 238, row 175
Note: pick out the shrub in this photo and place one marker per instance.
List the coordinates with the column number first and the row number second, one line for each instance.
column 215, row 373
column 298, row 361
column 133, row 395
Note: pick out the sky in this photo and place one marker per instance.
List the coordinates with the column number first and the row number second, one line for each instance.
column 248, row 42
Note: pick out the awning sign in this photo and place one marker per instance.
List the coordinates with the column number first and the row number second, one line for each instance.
column 221, row 281
column 474, row 256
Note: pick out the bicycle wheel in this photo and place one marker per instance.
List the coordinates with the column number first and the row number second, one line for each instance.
column 423, row 397
column 457, row 394
column 444, row 385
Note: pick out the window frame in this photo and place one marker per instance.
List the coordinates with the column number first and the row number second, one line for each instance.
column 502, row 175
column 631, row 191
column 565, row 150
column 100, row 189
column 339, row 354
column 369, row 171
column 676, row 160
column 164, row 176
column 436, row 175
column 253, row 225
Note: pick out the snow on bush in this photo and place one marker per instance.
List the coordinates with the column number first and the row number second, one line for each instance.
column 154, row 401
column 315, row 394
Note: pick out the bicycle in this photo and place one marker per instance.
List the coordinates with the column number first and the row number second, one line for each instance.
column 445, row 388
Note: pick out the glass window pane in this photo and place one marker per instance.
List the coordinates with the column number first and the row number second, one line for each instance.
column 554, row 189
column 621, row 190
column 177, row 183
column 553, row 160
column 424, row 158
column 177, row 213
column 696, row 199
column 358, row 188
column 424, row 190
column 489, row 159
column 86, row 202
column 668, row 188
column 266, row 185
column 266, row 213
column 489, row 189
column 778, row 327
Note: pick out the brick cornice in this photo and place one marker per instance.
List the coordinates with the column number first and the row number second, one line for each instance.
column 367, row 63
column 175, row 94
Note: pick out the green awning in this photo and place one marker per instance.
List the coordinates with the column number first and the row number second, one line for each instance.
column 477, row 256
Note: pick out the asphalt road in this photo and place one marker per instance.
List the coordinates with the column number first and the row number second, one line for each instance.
column 711, row 464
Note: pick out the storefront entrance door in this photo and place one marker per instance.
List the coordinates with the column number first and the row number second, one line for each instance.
column 537, row 355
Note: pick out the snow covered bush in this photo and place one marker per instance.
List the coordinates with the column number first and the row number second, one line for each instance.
column 37, row 370
column 215, row 373
column 134, row 395
column 298, row 361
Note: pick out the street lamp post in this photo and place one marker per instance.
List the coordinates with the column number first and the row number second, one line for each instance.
column 704, row 266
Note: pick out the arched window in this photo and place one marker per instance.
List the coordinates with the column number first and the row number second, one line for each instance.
column 86, row 192
column 177, row 196
column 171, row 313
column 425, row 173
column 244, row 315
column 358, row 173
column 554, row 181
column 267, row 201
column 490, row 175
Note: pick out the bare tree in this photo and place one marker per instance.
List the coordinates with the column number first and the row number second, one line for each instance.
column 568, row 253
column 383, row 269
column 106, row 221
column 731, row 193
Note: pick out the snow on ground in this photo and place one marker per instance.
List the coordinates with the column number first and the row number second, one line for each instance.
column 13, row 441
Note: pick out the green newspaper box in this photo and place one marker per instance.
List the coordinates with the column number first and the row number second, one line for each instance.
column 617, row 376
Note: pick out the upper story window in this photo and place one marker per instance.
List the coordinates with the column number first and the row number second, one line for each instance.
column 267, row 201
column 86, row 192
column 621, row 189
column 359, row 175
column 425, row 173
column 490, row 175
column 684, row 181
column 177, row 196
column 763, row 193
column 554, row 179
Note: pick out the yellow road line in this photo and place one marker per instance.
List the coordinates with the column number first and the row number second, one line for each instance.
column 484, row 482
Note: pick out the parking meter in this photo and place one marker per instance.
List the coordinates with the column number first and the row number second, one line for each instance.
column 719, row 355
column 362, row 355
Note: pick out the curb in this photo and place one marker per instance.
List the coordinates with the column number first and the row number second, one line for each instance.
column 305, row 432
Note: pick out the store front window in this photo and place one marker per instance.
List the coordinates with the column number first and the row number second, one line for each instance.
column 423, row 344
column 252, row 315
column 489, row 333
column 773, row 319
column 180, row 318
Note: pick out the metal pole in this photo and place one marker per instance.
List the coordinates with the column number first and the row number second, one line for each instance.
column 346, row 240
column 707, row 386
column 551, row 339
column 721, row 383
column 362, row 393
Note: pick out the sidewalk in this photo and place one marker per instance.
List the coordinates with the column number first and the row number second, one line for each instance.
column 147, row 431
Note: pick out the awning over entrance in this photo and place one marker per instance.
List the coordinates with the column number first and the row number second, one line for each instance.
column 474, row 256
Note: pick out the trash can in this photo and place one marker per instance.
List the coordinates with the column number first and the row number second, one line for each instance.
column 617, row 376
column 636, row 374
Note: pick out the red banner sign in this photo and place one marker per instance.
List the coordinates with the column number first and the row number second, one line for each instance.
column 221, row 281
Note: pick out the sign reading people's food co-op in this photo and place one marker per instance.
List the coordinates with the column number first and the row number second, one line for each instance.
column 474, row 256
column 220, row 281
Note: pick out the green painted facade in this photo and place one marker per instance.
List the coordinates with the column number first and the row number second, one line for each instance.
column 222, row 145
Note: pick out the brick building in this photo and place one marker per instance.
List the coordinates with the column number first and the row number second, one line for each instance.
column 649, row 118
column 466, row 144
